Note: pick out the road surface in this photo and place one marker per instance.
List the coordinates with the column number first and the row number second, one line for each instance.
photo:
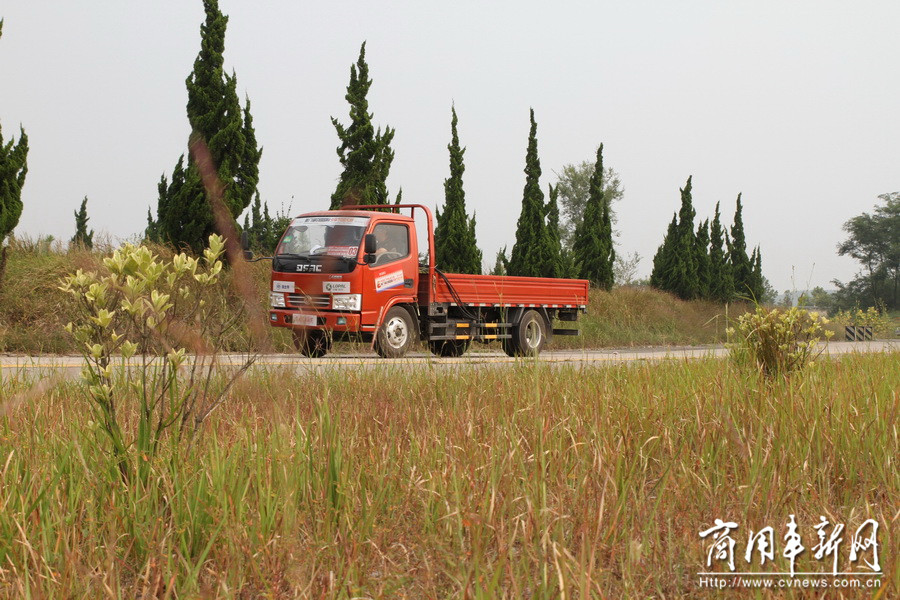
column 42, row 365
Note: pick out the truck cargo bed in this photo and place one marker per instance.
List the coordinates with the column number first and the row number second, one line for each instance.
column 494, row 290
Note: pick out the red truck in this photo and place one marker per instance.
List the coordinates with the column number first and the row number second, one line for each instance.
column 356, row 273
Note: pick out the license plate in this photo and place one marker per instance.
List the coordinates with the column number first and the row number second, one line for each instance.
column 305, row 320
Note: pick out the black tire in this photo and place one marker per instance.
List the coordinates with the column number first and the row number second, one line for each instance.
column 396, row 334
column 528, row 335
column 449, row 348
column 313, row 343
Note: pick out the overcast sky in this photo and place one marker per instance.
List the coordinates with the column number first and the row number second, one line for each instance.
column 792, row 103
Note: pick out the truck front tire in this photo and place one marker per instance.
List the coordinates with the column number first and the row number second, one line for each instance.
column 395, row 335
column 528, row 335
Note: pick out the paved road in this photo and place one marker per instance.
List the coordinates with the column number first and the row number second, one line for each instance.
column 39, row 365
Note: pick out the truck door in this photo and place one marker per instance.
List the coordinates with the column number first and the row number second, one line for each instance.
column 394, row 271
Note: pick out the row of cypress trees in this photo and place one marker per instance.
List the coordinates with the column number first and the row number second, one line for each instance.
column 707, row 263
column 184, row 219
column 539, row 252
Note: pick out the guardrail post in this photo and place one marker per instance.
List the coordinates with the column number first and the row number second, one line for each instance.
column 858, row 333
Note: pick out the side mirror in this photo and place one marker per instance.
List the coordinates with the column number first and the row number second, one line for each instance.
column 370, row 245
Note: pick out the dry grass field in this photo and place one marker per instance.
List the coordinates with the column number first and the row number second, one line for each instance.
column 529, row 482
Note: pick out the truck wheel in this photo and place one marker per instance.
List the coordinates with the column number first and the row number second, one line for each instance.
column 449, row 348
column 395, row 335
column 313, row 343
column 528, row 336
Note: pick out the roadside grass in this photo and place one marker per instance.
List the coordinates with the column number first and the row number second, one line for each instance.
column 34, row 311
column 643, row 316
column 533, row 481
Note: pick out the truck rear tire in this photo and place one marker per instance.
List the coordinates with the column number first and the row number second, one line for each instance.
column 395, row 335
column 448, row 348
column 313, row 343
column 528, row 335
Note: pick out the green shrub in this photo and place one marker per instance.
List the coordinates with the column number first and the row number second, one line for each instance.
column 872, row 317
column 777, row 341
column 170, row 311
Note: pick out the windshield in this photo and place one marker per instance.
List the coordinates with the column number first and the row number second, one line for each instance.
column 323, row 236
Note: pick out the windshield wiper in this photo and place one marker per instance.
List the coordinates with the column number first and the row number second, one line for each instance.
column 291, row 255
column 351, row 260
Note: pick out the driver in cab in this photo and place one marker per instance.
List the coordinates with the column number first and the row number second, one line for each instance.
column 386, row 243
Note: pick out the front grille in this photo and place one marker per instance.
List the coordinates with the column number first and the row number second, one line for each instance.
column 309, row 301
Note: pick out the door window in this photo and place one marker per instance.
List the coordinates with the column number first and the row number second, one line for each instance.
column 392, row 243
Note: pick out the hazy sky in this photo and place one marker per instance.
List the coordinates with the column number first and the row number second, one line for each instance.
column 792, row 103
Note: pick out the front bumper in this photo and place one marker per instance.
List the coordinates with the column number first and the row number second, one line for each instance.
column 331, row 320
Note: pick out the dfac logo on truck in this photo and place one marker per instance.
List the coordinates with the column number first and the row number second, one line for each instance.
column 309, row 268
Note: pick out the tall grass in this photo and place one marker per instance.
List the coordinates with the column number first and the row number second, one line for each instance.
column 478, row 482
column 642, row 316
column 34, row 311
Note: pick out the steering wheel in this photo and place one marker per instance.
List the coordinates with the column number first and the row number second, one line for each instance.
column 387, row 256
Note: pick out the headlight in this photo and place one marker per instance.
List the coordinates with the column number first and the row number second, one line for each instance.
column 276, row 299
column 346, row 301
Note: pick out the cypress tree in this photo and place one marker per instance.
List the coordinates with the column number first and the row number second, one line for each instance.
column 530, row 252
column 262, row 228
column 13, row 169
column 82, row 237
column 663, row 264
column 554, row 265
column 567, row 264
column 675, row 262
column 721, row 284
column 592, row 247
column 501, row 264
column 757, row 287
column 741, row 267
column 257, row 225
column 151, row 233
column 686, row 285
column 574, row 185
column 701, row 256
column 455, row 247
column 364, row 153
column 608, row 254
column 184, row 214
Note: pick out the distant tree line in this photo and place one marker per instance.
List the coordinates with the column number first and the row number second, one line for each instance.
column 874, row 241
column 576, row 241
column 707, row 263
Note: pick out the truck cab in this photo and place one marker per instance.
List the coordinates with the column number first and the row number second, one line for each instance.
column 324, row 284
column 358, row 274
